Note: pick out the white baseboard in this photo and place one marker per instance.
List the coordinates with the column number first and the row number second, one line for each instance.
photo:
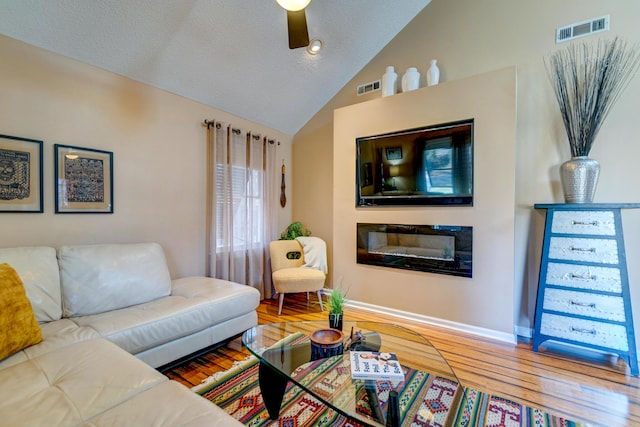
column 474, row 330
column 523, row 331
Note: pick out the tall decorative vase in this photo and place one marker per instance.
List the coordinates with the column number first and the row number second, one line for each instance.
column 389, row 82
column 433, row 74
column 410, row 79
column 579, row 177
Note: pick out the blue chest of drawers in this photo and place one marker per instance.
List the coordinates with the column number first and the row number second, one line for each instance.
column 583, row 288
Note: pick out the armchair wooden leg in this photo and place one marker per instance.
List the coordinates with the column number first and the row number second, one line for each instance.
column 320, row 300
column 280, row 301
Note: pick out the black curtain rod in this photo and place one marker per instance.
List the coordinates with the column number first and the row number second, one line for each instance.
column 218, row 125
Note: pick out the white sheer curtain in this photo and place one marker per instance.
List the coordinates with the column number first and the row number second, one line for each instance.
column 242, row 205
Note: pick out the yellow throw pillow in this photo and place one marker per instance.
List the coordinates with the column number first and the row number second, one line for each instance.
column 18, row 325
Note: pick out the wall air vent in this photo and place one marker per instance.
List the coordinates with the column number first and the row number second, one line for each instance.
column 368, row 87
column 581, row 29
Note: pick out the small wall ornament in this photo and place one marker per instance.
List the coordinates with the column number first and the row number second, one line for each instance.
column 283, row 196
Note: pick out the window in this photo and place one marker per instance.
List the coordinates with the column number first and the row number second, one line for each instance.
column 243, row 202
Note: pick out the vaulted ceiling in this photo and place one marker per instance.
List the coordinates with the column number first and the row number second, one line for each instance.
column 230, row 54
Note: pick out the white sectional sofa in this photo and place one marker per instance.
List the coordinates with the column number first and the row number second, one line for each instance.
column 109, row 314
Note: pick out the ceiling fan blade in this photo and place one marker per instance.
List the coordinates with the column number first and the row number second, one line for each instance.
column 298, row 33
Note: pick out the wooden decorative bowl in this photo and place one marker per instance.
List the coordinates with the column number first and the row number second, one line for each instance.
column 326, row 343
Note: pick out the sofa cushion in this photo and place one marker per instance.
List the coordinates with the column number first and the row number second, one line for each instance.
column 18, row 325
column 99, row 278
column 72, row 384
column 184, row 408
column 55, row 335
column 38, row 269
column 290, row 280
column 196, row 303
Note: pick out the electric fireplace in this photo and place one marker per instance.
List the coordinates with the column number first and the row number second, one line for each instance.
column 442, row 249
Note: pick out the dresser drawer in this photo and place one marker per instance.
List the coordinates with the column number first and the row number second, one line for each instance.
column 606, row 279
column 585, row 304
column 604, row 251
column 599, row 223
column 585, row 331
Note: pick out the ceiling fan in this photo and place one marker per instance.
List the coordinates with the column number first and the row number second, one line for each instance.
column 296, row 22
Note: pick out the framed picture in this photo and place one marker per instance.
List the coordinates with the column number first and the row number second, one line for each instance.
column 394, row 153
column 84, row 180
column 20, row 174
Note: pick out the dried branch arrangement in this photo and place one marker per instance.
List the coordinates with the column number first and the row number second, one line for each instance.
column 587, row 81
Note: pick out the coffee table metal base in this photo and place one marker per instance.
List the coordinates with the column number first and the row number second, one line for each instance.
column 272, row 386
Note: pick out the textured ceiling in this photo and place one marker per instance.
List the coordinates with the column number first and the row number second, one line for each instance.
column 230, row 54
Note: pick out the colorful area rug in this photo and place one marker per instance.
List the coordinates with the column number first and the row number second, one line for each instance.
column 238, row 393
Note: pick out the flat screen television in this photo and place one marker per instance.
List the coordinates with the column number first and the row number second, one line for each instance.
column 432, row 165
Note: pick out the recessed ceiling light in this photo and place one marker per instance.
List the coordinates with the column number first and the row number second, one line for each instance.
column 315, row 46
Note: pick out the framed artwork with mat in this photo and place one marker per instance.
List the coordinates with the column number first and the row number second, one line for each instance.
column 20, row 174
column 83, row 180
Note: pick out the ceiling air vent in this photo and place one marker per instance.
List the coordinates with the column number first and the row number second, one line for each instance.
column 581, row 29
column 368, row 87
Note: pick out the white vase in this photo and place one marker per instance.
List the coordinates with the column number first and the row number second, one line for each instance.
column 433, row 74
column 411, row 79
column 389, row 82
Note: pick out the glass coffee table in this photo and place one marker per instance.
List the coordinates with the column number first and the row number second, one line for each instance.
column 429, row 394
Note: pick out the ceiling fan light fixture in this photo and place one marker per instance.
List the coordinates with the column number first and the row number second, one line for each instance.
column 293, row 5
column 315, row 46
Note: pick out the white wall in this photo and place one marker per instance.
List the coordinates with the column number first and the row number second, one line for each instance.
column 490, row 100
column 159, row 154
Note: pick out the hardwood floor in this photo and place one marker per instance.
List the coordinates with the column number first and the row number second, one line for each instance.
column 599, row 392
